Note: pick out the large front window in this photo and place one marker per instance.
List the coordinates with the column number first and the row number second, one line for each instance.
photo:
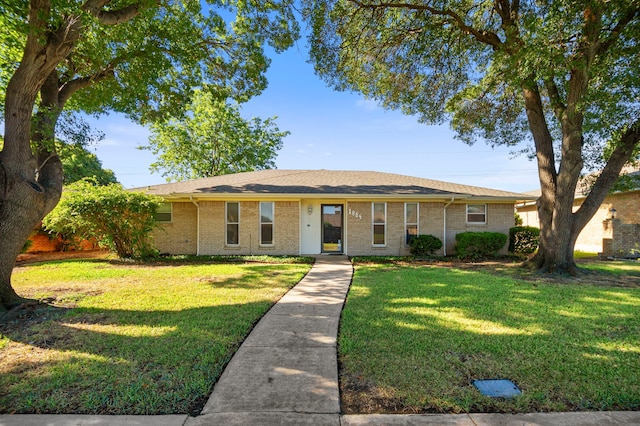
column 266, row 223
column 411, row 214
column 233, row 224
column 379, row 223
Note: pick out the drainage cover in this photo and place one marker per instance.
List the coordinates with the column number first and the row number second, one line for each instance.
column 497, row 388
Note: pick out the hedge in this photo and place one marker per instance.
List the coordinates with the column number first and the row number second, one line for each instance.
column 475, row 245
column 425, row 245
column 523, row 239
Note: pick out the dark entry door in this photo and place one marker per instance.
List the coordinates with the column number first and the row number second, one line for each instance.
column 332, row 228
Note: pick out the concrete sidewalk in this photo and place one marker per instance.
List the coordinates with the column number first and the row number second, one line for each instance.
column 286, row 373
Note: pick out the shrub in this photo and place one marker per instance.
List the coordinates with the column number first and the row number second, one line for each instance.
column 118, row 219
column 424, row 245
column 523, row 239
column 517, row 219
column 475, row 245
column 27, row 245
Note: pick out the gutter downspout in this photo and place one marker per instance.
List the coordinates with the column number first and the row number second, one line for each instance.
column 197, row 224
column 444, row 235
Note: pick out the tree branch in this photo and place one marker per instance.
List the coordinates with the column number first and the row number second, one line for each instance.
column 486, row 37
column 112, row 17
column 554, row 97
column 620, row 156
column 614, row 36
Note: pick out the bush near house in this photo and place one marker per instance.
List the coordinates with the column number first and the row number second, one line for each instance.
column 475, row 245
column 523, row 239
column 425, row 245
column 117, row 219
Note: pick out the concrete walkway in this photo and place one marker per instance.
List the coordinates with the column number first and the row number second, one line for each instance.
column 286, row 373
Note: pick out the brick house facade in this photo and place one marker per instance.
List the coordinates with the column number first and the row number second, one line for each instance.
column 305, row 212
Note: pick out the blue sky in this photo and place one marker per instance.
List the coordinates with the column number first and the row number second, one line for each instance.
column 336, row 131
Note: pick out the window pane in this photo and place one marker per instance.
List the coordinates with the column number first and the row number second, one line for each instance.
column 266, row 212
column 412, row 213
column 378, row 234
column 232, row 212
column 163, row 217
column 476, row 218
column 476, row 213
column 476, row 208
column 163, row 214
column 232, row 233
column 266, row 233
column 378, row 213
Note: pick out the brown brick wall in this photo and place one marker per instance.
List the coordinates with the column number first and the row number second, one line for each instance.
column 621, row 239
column 212, row 223
column 359, row 231
column 500, row 217
column 179, row 236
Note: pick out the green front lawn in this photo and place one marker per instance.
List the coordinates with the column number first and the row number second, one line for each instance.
column 130, row 339
column 413, row 338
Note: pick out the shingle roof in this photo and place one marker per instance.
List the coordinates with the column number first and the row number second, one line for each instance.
column 323, row 183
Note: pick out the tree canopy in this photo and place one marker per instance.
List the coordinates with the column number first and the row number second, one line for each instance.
column 139, row 57
column 559, row 80
column 79, row 163
column 211, row 139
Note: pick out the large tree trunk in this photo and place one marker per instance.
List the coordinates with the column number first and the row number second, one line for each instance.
column 30, row 185
column 559, row 225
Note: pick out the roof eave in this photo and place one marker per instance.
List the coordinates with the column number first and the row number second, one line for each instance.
column 319, row 196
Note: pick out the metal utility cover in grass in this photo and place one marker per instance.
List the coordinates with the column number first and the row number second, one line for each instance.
column 497, row 388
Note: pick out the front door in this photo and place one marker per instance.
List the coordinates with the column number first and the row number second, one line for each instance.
column 332, row 228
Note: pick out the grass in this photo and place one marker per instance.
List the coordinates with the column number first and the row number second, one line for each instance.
column 130, row 338
column 413, row 338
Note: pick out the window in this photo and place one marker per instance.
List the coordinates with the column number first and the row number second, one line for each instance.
column 379, row 223
column 476, row 213
column 266, row 223
column 163, row 214
column 233, row 224
column 411, row 221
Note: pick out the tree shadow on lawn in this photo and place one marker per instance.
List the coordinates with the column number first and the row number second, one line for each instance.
column 101, row 361
column 434, row 331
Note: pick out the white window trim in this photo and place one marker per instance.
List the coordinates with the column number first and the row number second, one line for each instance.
column 374, row 223
column 226, row 223
column 476, row 223
column 272, row 223
column 170, row 212
column 406, row 223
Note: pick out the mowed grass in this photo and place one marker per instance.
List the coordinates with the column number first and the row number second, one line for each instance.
column 131, row 339
column 413, row 338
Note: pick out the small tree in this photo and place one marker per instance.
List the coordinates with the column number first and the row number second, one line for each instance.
column 118, row 219
column 213, row 139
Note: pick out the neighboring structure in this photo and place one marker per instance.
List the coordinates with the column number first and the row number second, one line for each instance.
column 299, row 212
column 613, row 231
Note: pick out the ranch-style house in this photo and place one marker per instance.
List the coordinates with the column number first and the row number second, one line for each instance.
column 311, row 212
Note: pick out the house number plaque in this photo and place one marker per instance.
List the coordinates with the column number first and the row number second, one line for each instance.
column 355, row 214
